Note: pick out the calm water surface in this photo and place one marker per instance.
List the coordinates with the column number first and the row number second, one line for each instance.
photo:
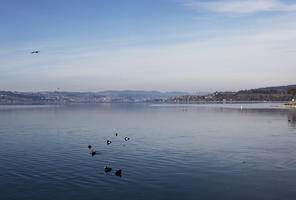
column 175, row 152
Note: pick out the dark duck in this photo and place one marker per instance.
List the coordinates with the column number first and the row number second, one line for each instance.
column 107, row 169
column 118, row 173
column 93, row 153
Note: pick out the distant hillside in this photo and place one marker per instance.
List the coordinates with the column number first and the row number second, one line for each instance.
column 278, row 93
column 8, row 97
column 275, row 89
column 139, row 94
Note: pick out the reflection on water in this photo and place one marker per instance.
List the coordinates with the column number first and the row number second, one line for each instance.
column 292, row 117
column 174, row 152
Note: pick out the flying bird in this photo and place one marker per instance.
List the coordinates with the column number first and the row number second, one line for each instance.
column 35, row 51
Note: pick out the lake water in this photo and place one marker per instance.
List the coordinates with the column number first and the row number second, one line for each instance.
column 174, row 152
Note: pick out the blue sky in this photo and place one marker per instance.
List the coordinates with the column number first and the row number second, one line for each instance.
column 167, row 45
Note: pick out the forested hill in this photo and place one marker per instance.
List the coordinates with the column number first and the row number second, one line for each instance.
column 270, row 90
column 278, row 93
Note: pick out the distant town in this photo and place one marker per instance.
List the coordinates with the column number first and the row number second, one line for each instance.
column 59, row 97
column 268, row 94
column 279, row 93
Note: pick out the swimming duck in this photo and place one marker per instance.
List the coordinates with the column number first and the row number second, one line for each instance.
column 126, row 138
column 107, row 169
column 93, row 153
column 118, row 173
column 109, row 142
column 89, row 146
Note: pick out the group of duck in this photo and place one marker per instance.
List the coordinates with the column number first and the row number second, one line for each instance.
column 109, row 169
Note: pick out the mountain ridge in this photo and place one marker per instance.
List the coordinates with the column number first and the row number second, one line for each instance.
column 272, row 93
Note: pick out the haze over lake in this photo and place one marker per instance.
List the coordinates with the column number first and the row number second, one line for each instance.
column 174, row 152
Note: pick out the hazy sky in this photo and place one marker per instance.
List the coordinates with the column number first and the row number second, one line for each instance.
column 167, row 45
